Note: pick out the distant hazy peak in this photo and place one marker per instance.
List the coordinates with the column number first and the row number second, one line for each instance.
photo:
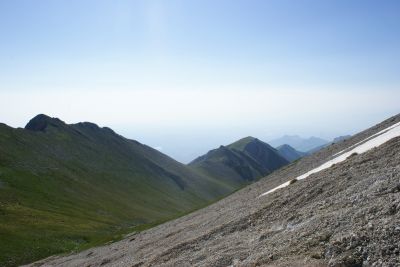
column 299, row 143
column 284, row 146
column 41, row 122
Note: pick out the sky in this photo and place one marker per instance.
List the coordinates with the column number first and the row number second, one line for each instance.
column 187, row 76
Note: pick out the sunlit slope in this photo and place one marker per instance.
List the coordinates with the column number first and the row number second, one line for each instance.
column 67, row 186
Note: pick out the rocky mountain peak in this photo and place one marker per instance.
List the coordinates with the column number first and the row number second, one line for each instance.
column 41, row 122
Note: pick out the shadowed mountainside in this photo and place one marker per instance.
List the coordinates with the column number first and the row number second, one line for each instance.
column 241, row 162
column 289, row 153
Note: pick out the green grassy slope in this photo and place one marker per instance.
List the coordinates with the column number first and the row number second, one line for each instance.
column 240, row 162
column 66, row 187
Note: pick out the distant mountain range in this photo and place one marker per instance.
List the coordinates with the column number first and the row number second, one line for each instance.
column 334, row 141
column 299, row 143
column 241, row 162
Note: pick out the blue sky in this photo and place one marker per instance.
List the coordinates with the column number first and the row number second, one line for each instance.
column 189, row 75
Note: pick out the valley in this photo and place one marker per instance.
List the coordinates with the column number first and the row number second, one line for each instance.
column 67, row 187
column 345, row 215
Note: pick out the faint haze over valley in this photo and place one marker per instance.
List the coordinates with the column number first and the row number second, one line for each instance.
column 185, row 124
column 188, row 76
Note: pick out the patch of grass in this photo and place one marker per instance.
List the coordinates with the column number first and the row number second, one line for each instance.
column 72, row 187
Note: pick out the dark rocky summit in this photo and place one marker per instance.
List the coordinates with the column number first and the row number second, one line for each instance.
column 41, row 122
column 346, row 215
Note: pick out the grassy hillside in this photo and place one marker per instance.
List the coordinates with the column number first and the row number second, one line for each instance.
column 241, row 162
column 66, row 187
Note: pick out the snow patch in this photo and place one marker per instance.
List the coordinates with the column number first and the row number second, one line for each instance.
column 366, row 139
column 374, row 140
column 276, row 188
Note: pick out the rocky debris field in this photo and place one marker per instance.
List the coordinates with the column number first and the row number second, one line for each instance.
column 346, row 215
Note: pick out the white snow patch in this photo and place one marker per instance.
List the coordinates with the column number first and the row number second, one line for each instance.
column 276, row 188
column 372, row 136
column 361, row 147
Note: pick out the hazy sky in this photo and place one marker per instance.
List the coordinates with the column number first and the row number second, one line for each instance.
column 187, row 76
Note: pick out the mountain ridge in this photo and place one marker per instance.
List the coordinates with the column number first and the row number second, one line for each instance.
column 244, row 160
column 298, row 143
